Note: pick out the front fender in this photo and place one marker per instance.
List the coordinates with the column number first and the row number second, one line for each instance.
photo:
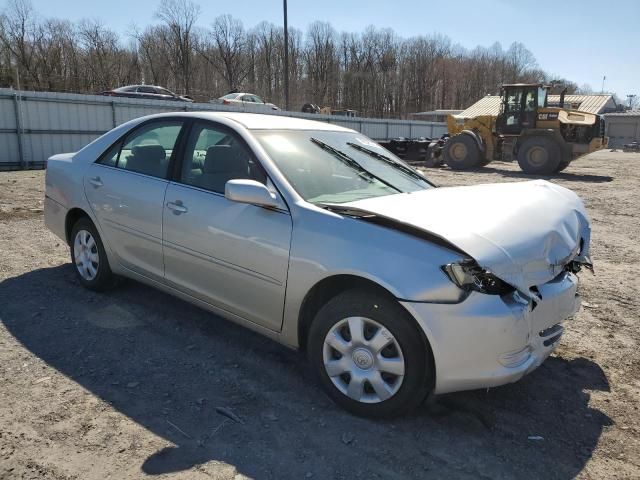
column 330, row 244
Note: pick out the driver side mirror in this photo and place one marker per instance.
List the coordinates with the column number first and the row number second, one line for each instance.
column 251, row 192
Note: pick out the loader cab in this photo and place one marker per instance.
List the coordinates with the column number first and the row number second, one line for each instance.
column 519, row 107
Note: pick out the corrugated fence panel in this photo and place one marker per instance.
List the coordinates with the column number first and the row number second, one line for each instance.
column 47, row 115
column 51, row 123
column 375, row 130
column 7, row 114
column 9, row 153
column 40, row 146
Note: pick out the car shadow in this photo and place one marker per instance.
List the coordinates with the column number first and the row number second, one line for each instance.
column 218, row 392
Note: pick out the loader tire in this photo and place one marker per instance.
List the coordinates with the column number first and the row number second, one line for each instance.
column 539, row 156
column 562, row 165
column 461, row 152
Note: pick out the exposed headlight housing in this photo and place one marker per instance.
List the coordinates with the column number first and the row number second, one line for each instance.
column 470, row 276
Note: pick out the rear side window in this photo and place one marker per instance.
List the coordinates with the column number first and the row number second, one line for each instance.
column 146, row 150
column 110, row 157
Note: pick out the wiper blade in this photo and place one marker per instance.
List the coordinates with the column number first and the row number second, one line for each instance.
column 389, row 161
column 347, row 160
column 346, row 210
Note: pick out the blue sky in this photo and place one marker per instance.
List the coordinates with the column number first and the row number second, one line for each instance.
column 582, row 40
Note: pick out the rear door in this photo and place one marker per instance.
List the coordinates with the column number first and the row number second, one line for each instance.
column 126, row 189
column 232, row 255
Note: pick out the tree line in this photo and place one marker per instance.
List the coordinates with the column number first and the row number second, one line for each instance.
column 376, row 72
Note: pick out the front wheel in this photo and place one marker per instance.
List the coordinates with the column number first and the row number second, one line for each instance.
column 461, row 152
column 369, row 355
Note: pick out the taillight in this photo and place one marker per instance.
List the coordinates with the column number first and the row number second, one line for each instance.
column 226, row 102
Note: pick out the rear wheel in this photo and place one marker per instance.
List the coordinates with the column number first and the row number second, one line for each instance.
column 89, row 257
column 539, row 155
column 369, row 355
column 562, row 165
column 461, row 152
column 484, row 162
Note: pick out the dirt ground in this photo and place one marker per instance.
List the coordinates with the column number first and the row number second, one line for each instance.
column 126, row 384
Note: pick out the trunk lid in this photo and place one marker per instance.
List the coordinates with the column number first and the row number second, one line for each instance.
column 524, row 233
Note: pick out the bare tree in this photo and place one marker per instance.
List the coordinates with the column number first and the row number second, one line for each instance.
column 226, row 50
column 179, row 16
column 375, row 71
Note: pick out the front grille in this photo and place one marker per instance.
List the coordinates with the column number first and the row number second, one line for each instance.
column 551, row 330
column 552, row 340
column 551, row 334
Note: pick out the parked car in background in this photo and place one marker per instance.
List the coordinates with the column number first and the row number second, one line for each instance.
column 310, row 108
column 631, row 147
column 151, row 92
column 314, row 235
column 247, row 99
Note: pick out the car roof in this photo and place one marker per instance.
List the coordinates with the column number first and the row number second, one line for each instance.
column 258, row 121
column 136, row 86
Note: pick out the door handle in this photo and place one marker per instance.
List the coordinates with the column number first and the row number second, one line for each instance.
column 96, row 182
column 177, row 207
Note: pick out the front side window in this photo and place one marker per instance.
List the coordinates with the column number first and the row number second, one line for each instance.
column 542, row 97
column 213, row 156
column 513, row 101
column 146, row 150
column 338, row 167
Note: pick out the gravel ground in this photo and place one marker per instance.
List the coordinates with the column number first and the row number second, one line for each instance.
column 127, row 384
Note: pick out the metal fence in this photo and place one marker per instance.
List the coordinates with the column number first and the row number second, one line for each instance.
column 622, row 128
column 36, row 125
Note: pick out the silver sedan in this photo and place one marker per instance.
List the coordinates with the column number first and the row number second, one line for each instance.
column 316, row 236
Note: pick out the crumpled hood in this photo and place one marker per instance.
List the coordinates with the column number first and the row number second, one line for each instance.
column 524, row 233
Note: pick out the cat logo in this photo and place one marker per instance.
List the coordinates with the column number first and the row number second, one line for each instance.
column 548, row 116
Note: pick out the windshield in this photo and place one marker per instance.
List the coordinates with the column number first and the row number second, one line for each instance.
column 230, row 96
column 338, row 167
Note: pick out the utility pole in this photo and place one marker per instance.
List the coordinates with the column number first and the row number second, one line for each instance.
column 631, row 97
column 286, row 58
column 603, row 79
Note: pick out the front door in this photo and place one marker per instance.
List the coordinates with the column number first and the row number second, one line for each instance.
column 234, row 256
column 519, row 107
column 126, row 189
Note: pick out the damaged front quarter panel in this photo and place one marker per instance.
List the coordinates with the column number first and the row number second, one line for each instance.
column 525, row 233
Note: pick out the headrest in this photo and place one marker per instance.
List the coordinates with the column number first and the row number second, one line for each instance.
column 223, row 159
column 149, row 152
column 148, row 159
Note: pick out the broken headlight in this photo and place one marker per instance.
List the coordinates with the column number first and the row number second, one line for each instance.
column 470, row 276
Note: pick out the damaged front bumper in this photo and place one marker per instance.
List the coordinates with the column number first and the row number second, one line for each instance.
column 490, row 340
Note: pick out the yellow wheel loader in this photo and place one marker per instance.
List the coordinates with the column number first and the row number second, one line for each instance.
column 543, row 139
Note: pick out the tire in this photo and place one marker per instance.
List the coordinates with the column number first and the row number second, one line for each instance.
column 406, row 354
column 461, row 152
column 91, row 263
column 562, row 165
column 484, row 162
column 539, row 156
